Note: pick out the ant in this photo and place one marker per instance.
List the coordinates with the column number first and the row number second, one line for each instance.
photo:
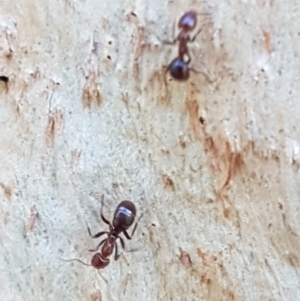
column 123, row 218
column 179, row 67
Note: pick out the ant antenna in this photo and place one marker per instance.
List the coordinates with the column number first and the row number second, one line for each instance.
column 204, row 14
column 75, row 259
column 102, row 277
column 88, row 265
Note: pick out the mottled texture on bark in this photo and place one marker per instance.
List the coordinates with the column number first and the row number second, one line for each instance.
column 88, row 111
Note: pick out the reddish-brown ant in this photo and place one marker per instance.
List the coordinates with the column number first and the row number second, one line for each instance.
column 123, row 218
column 179, row 67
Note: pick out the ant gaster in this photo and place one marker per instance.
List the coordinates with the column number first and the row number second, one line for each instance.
column 179, row 67
column 123, row 218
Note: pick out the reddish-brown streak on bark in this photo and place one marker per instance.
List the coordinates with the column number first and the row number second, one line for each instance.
column 293, row 260
column 136, row 41
column 192, row 108
column 211, row 274
column 7, row 190
column 90, row 93
column 185, row 259
column 182, row 143
column 96, row 296
column 168, row 182
column 223, row 160
column 125, row 283
column 267, row 41
column 32, row 219
column 235, row 162
column 158, row 82
column 54, row 125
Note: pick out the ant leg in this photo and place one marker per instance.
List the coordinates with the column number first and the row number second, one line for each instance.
column 116, row 249
column 102, row 277
column 126, row 235
column 122, row 243
column 101, row 212
column 125, row 232
column 204, row 74
column 117, row 255
column 195, row 36
column 96, row 235
column 99, row 245
column 123, row 246
column 136, row 224
column 167, row 42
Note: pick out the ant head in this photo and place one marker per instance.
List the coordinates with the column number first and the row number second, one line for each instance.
column 179, row 69
column 188, row 21
column 98, row 262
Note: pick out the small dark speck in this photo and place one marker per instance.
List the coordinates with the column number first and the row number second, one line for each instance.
column 4, row 79
column 109, row 57
column 110, row 42
column 201, row 120
column 153, row 225
column 115, row 185
column 133, row 14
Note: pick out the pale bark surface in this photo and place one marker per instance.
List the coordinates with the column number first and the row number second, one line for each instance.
column 213, row 166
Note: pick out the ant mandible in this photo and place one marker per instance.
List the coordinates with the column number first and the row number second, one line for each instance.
column 123, row 218
column 179, row 67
